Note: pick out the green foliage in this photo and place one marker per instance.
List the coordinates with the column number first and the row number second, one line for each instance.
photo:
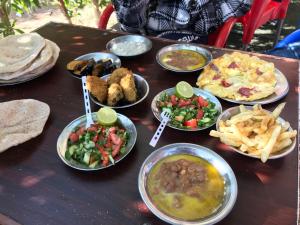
column 7, row 26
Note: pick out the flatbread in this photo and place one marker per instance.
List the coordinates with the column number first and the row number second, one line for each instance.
column 21, row 120
column 17, row 51
column 40, row 69
column 43, row 58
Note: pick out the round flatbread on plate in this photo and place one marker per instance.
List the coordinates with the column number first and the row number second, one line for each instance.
column 17, row 51
column 43, row 63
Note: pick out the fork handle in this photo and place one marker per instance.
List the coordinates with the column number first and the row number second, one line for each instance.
column 89, row 120
column 158, row 132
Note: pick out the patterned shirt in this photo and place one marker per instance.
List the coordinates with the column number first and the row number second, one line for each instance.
column 167, row 17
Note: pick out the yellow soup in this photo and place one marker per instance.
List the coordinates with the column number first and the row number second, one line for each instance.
column 185, row 187
column 183, row 59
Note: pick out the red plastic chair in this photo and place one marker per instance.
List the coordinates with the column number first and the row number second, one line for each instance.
column 217, row 39
column 260, row 13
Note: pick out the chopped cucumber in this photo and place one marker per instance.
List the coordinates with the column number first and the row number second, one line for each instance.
column 111, row 159
column 89, row 145
column 94, row 164
column 206, row 120
column 70, row 151
column 168, row 110
column 86, row 158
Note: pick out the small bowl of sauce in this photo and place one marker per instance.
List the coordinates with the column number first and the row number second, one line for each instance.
column 183, row 57
column 129, row 45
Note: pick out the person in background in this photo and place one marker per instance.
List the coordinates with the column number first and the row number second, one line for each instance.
column 183, row 20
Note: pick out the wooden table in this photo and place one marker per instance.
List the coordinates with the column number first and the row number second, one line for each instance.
column 36, row 187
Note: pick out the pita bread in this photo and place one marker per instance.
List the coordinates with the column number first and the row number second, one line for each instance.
column 45, row 58
column 38, row 71
column 21, row 120
column 17, row 51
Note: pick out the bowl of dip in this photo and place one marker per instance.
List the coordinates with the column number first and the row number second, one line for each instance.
column 129, row 45
column 183, row 57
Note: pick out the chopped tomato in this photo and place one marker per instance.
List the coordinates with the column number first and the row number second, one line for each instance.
column 95, row 139
column 112, row 130
column 116, row 140
column 200, row 114
column 173, row 100
column 183, row 103
column 191, row 123
column 73, row 137
column 105, row 159
column 202, row 102
column 116, row 149
column 80, row 131
column 92, row 129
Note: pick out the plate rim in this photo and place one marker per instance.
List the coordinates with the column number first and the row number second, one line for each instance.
column 153, row 108
column 66, row 162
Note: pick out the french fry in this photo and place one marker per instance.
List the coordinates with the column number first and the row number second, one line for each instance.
column 278, row 110
column 281, row 145
column 268, row 148
column 243, row 109
column 287, row 134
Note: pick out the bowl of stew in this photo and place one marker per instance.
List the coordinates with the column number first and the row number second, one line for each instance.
column 187, row 184
column 183, row 57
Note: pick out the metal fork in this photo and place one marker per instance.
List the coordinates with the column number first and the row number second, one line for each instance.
column 165, row 119
column 89, row 119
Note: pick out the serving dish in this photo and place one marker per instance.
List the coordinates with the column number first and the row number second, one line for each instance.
column 98, row 56
column 175, row 47
column 130, row 43
column 231, row 188
column 123, row 121
column 142, row 88
column 227, row 114
column 198, row 92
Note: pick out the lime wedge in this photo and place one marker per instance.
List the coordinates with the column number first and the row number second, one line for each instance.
column 107, row 116
column 184, row 90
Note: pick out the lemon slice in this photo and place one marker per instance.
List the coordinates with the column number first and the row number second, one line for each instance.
column 107, row 116
column 184, row 90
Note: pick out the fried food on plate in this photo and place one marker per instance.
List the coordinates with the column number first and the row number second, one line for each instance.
column 117, row 75
column 97, row 87
column 256, row 132
column 239, row 76
column 128, row 87
column 115, row 94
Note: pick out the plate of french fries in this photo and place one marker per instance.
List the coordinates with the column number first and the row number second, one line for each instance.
column 256, row 132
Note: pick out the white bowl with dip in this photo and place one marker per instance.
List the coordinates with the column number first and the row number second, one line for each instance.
column 129, row 45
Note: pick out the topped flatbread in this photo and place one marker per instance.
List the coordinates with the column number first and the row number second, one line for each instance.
column 21, row 120
column 17, row 51
column 239, row 76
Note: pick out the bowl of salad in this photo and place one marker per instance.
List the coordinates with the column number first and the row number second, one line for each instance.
column 191, row 109
column 99, row 146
